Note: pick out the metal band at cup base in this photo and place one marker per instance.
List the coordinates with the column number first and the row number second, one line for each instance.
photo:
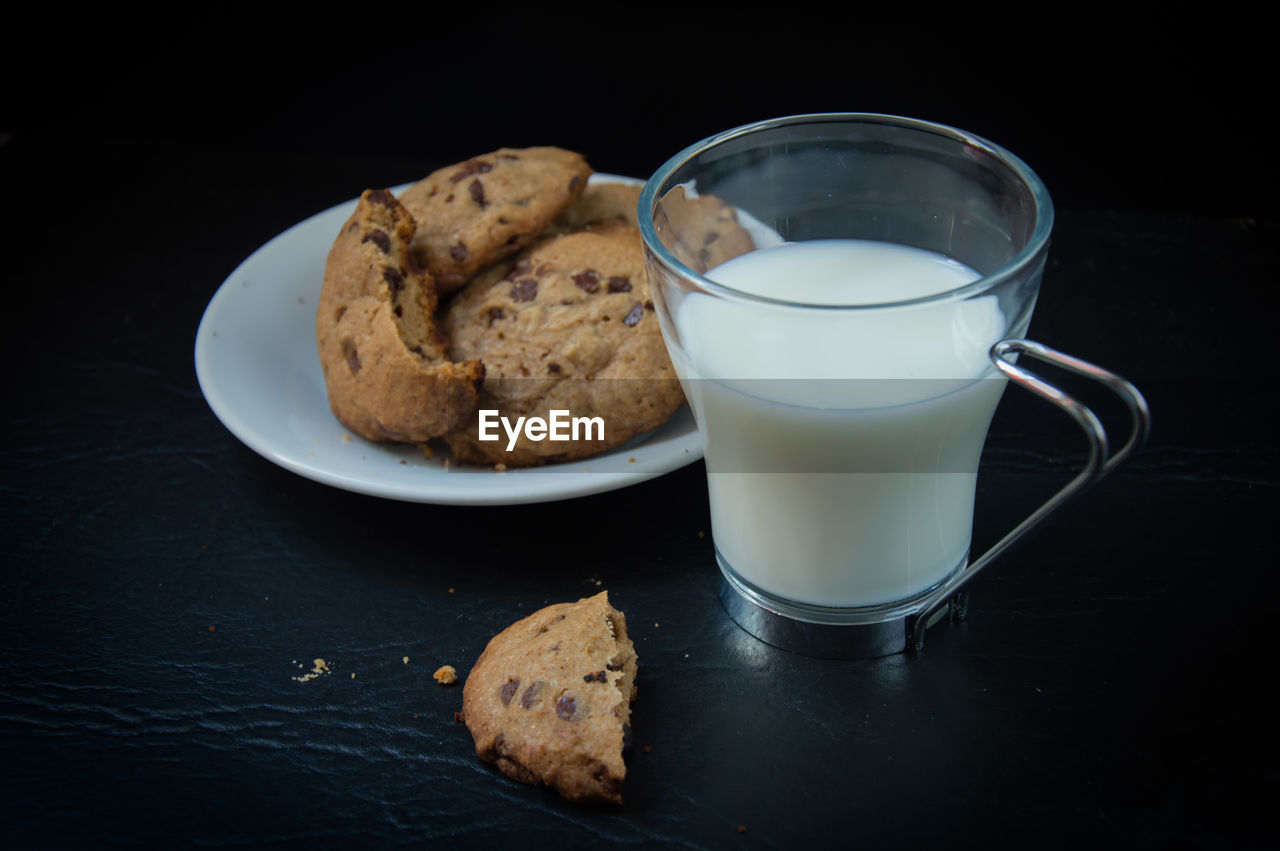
column 832, row 633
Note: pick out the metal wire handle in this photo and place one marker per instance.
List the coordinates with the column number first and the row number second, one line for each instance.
column 1100, row 462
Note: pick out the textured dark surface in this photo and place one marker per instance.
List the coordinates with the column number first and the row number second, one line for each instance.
column 161, row 582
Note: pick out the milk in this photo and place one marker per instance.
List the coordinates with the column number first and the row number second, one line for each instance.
column 842, row 446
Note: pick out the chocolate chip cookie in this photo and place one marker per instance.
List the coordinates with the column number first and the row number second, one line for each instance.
column 702, row 231
column 549, row 699
column 601, row 203
column 567, row 325
column 386, row 367
column 477, row 212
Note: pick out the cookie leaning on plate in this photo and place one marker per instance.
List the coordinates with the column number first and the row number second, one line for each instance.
column 386, row 369
column 549, row 699
column 600, row 204
column 567, row 325
column 477, row 212
column 701, row 231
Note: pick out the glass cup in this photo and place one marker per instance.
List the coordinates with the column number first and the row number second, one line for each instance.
column 843, row 297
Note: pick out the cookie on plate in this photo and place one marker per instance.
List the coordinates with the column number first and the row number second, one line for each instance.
column 701, row 231
column 601, row 203
column 477, row 212
column 549, row 699
column 567, row 325
column 386, row 367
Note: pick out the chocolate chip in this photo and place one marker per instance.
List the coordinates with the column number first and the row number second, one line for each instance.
column 588, row 280
column 393, row 278
column 378, row 238
column 524, row 290
column 574, row 183
column 619, row 284
column 614, row 666
column 351, row 354
column 459, row 252
column 566, row 707
column 469, row 168
column 530, row 696
column 626, row 736
column 381, row 196
column 553, row 368
column 398, row 310
column 597, row 677
column 520, row 269
column 633, row 318
column 711, row 237
column 508, row 690
column 495, row 313
column 477, row 193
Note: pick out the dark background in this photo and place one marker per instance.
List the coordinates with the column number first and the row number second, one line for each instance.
column 1164, row 114
column 159, row 578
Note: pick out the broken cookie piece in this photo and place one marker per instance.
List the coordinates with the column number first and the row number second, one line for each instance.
column 474, row 213
column 386, row 367
column 549, row 700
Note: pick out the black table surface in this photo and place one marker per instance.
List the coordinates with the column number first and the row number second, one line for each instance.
column 163, row 586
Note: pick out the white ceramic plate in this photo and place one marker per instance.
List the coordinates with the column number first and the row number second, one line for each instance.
column 256, row 363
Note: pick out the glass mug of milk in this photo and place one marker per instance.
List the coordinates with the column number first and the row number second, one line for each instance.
column 843, row 297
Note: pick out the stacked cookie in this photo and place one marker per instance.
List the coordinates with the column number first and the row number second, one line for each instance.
column 502, row 283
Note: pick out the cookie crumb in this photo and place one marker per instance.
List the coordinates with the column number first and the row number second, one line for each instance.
column 458, row 718
column 212, row 627
column 648, row 749
column 445, row 675
column 427, row 451
column 742, row 828
column 450, row 590
column 346, row 437
column 500, row 467
column 405, row 660
column 319, row 668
